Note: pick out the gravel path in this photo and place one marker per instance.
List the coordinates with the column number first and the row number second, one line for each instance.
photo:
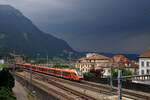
column 20, row 92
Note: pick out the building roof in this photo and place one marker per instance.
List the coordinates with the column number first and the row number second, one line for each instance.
column 120, row 59
column 94, row 57
column 146, row 54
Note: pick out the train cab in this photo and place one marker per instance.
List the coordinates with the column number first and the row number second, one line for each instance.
column 80, row 75
column 77, row 75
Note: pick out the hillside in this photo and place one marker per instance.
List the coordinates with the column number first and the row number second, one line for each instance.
column 18, row 34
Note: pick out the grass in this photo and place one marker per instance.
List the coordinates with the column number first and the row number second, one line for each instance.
column 1, row 65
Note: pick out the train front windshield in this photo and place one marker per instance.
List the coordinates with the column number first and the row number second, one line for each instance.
column 79, row 73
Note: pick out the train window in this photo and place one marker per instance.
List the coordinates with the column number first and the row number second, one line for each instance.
column 51, row 71
column 66, row 74
column 63, row 73
column 54, row 72
column 40, row 69
column 79, row 73
column 57, row 72
column 48, row 71
column 43, row 69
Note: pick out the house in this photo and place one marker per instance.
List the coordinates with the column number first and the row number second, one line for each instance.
column 120, row 61
column 90, row 61
column 1, row 61
column 18, row 59
column 144, row 62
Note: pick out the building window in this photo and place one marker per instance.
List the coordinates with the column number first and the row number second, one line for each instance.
column 147, row 64
column 147, row 71
column 142, row 63
column 142, row 72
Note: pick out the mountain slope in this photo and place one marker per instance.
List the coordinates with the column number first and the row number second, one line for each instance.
column 19, row 34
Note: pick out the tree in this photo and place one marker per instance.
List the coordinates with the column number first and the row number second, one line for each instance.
column 125, row 72
column 6, row 85
column 97, row 72
column 7, row 79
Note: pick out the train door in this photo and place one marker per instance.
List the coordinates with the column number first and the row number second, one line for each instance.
column 74, row 76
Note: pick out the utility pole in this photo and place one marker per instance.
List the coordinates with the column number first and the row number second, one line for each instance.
column 70, row 53
column 119, row 85
column 37, row 58
column 31, row 74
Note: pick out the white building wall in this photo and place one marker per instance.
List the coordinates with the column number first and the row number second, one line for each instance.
column 1, row 61
column 143, row 66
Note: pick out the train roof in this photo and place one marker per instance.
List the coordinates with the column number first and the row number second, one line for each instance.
column 64, row 69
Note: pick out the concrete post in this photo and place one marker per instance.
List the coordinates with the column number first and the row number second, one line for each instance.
column 119, row 85
column 111, row 81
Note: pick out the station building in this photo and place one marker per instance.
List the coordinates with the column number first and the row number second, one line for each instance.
column 144, row 63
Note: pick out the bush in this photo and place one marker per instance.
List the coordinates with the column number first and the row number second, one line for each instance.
column 88, row 74
column 6, row 94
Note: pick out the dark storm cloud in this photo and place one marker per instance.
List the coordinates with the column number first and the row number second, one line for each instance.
column 96, row 25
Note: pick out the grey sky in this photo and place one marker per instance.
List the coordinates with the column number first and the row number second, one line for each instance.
column 119, row 26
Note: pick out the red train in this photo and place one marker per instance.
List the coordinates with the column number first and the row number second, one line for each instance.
column 64, row 73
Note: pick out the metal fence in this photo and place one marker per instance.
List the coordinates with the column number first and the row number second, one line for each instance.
column 125, row 84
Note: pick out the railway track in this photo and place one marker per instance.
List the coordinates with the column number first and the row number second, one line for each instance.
column 96, row 88
column 127, row 94
column 79, row 95
column 78, row 84
column 48, row 89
